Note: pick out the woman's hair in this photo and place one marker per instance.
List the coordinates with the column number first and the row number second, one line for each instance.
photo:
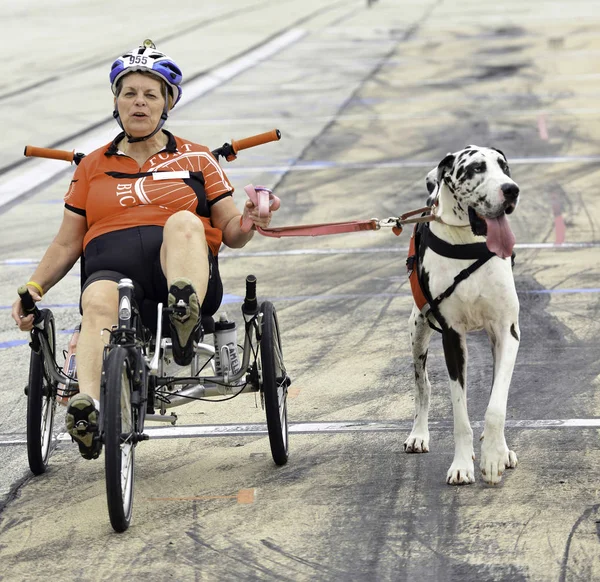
column 163, row 84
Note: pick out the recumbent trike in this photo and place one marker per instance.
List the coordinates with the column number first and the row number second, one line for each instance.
column 140, row 381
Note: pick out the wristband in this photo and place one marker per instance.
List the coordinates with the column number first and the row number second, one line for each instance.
column 37, row 287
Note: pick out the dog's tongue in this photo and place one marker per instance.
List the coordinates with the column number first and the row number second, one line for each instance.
column 500, row 238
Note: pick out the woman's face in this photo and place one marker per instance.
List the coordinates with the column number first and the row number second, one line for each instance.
column 140, row 103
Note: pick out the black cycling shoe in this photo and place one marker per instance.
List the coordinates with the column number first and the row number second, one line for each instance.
column 184, row 320
column 82, row 424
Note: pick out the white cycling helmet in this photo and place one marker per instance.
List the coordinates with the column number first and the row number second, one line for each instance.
column 147, row 59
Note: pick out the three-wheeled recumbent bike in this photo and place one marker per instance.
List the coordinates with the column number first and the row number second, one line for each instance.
column 140, row 381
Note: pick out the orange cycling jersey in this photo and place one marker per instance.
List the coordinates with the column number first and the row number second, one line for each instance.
column 114, row 193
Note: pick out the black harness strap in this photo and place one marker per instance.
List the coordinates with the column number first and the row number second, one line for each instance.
column 478, row 251
column 445, row 249
column 460, row 277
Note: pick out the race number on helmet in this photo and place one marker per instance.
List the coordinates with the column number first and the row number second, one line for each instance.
column 147, row 58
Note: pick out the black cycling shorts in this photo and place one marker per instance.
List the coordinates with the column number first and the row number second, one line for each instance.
column 135, row 253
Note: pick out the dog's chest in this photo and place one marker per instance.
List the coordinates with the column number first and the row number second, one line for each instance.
column 485, row 296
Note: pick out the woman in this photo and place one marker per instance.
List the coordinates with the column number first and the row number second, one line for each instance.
column 149, row 206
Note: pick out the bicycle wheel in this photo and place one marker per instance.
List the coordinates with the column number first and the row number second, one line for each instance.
column 274, row 384
column 41, row 402
column 119, row 445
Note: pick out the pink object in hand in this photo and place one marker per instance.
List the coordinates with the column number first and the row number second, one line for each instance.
column 263, row 199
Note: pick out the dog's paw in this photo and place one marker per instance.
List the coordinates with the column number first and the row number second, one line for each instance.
column 417, row 443
column 461, row 473
column 493, row 465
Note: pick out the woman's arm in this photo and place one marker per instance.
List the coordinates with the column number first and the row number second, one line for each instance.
column 225, row 216
column 63, row 251
column 60, row 256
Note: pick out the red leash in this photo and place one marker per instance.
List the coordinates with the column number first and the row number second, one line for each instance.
column 264, row 199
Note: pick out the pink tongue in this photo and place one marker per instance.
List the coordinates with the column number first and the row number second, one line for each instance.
column 500, row 238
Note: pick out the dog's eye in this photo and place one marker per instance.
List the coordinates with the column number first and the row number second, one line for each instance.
column 478, row 168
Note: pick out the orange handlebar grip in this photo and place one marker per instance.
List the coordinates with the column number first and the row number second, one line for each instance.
column 35, row 152
column 249, row 142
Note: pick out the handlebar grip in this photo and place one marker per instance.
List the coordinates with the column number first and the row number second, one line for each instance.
column 250, row 303
column 27, row 300
column 32, row 151
column 249, row 142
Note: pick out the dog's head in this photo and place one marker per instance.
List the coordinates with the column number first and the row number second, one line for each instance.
column 478, row 188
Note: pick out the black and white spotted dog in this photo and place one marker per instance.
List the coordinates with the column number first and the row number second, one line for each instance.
column 463, row 262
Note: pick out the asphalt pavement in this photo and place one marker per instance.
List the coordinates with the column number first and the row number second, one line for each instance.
column 368, row 99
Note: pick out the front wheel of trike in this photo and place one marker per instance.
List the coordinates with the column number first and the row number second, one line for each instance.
column 274, row 384
column 41, row 400
column 119, row 433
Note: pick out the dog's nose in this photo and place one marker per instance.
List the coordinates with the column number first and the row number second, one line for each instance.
column 510, row 191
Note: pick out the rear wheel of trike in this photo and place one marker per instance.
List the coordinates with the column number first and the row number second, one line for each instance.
column 274, row 383
column 119, row 444
column 41, row 401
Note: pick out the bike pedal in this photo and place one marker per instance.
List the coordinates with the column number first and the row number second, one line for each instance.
column 82, row 427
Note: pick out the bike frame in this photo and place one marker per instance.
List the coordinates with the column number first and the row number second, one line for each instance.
column 151, row 379
column 39, row 342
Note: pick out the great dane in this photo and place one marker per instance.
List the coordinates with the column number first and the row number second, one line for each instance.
column 464, row 268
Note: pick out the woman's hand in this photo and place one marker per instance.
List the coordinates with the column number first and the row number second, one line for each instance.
column 251, row 212
column 24, row 322
column 238, row 230
column 252, row 209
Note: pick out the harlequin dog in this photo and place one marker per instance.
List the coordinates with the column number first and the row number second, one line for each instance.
column 461, row 264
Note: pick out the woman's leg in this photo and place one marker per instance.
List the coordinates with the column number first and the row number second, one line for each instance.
column 184, row 252
column 99, row 304
column 184, row 262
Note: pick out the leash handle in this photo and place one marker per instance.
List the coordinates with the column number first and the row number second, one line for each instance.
column 264, row 200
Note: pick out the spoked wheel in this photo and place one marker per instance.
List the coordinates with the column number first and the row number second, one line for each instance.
column 119, row 444
column 41, row 402
column 274, row 384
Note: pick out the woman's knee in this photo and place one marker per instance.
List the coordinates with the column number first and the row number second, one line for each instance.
column 99, row 300
column 184, row 223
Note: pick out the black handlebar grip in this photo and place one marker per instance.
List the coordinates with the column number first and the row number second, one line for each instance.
column 250, row 302
column 26, row 300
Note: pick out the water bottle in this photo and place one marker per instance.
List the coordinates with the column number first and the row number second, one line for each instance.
column 69, row 369
column 226, row 350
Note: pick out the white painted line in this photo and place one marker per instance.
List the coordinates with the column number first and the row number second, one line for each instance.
column 41, row 171
column 200, row 86
column 378, row 250
column 259, row 429
column 226, row 254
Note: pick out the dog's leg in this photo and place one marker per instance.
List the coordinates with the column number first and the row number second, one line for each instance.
column 462, row 470
column 495, row 454
column 420, row 334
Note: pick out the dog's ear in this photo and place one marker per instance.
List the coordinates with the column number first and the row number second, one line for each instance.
column 444, row 167
column 432, row 186
column 505, row 169
column 500, row 152
column 431, row 181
